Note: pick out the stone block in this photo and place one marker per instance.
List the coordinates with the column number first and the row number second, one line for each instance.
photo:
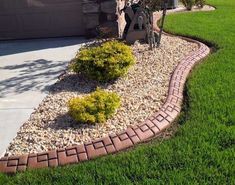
column 108, row 29
column 112, row 17
column 90, row 7
column 121, row 25
column 91, row 33
column 121, row 4
column 91, row 20
column 109, row 7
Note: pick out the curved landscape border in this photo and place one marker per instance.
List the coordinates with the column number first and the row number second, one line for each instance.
column 110, row 144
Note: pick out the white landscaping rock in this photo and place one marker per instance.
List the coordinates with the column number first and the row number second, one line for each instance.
column 143, row 90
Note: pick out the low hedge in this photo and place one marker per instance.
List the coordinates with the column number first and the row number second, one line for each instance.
column 94, row 108
column 105, row 62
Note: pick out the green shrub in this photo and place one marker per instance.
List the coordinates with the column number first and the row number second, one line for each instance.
column 190, row 3
column 94, row 108
column 104, row 63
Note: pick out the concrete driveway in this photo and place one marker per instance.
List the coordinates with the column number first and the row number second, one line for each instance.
column 27, row 69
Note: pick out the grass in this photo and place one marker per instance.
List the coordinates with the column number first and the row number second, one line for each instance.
column 203, row 149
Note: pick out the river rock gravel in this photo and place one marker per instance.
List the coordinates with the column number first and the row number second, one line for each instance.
column 143, row 90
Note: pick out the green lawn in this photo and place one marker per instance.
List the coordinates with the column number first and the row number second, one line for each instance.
column 203, row 149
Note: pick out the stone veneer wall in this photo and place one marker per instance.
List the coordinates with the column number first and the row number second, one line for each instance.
column 103, row 18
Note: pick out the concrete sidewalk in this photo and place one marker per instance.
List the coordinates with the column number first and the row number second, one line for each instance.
column 27, row 69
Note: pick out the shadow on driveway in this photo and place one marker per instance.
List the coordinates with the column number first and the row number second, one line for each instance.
column 32, row 75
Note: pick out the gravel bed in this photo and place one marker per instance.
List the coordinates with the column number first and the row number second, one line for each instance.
column 143, row 90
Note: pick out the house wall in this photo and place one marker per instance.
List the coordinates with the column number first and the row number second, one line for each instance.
column 103, row 17
column 23, row 19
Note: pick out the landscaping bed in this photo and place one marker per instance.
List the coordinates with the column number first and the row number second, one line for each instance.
column 202, row 150
column 143, row 90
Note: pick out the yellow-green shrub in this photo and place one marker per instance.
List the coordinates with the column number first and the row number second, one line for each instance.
column 105, row 62
column 94, row 108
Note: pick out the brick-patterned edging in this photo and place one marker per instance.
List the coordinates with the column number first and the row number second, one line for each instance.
column 120, row 141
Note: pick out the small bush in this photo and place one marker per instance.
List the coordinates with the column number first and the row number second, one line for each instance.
column 104, row 63
column 190, row 3
column 94, row 108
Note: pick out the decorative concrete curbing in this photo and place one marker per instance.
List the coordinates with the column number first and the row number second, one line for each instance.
column 120, row 141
